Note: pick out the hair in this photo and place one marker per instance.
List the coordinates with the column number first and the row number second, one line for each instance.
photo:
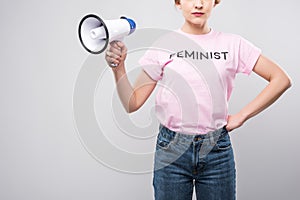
column 216, row 1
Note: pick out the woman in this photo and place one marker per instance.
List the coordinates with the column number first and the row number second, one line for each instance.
column 197, row 154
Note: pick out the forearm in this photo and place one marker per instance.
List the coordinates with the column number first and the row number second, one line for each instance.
column 279, row 82
column 125, row 89
column 267, row 97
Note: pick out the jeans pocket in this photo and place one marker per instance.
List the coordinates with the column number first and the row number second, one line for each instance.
column 165, row 138
column 223, row 143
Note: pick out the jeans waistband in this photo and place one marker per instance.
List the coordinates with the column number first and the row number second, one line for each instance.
column 210, row 135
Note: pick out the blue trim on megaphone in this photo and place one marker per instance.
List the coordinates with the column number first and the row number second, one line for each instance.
column 131, row 23
column 101, row 23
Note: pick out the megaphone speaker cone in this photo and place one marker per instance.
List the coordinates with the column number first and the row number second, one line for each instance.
column 93, row 34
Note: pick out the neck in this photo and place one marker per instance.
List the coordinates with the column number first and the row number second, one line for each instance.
column 196, row 29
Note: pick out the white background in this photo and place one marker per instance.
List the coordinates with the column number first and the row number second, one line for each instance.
column 41, row 156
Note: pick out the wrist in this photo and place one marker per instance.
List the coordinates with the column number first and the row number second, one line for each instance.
column 119, row 71
column 244, row 116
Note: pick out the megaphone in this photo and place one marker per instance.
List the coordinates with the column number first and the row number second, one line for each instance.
column 95, row 34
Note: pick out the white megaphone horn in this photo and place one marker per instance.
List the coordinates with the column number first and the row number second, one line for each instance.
column 95, row 33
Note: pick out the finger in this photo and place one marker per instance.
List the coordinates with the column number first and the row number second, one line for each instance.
column 122, row 46
column 228, row 129
column 114, row 52
column 111, row 59
column 114, row 45
column 119, row 44
column 113, row 55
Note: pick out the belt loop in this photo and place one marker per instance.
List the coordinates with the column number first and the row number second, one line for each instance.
column 212, row 139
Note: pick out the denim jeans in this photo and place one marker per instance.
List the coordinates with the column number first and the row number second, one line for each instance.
column 183, row 162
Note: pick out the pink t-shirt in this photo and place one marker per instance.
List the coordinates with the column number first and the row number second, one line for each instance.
column 195, row 75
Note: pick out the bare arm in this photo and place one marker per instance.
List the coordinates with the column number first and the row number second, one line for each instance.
column 132, row 97
column 279, row 82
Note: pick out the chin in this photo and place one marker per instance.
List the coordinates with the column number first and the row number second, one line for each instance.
column 197, row 22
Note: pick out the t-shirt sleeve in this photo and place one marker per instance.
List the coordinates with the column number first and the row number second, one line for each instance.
column 153, row 63
column 248, row 56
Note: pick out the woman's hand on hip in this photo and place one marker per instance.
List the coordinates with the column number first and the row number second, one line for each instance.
column 235, row 121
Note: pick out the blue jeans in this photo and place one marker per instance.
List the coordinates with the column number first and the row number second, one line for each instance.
column 183, row 162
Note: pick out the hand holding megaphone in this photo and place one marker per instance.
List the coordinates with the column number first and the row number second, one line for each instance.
column 116, row 53
column 95, row 34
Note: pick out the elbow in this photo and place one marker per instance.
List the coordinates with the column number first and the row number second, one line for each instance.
column 290, row 83
column 283, row 80
column 133, row 105
column 131, row 109
column 287, row 82
column 284, row 83
column 130, row 106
